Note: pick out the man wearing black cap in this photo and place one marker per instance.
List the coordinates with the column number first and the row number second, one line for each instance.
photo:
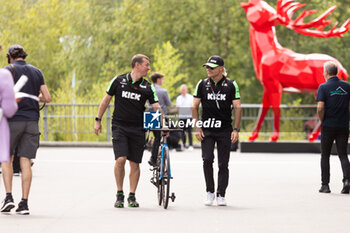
column 24, row 128
column 217, row 94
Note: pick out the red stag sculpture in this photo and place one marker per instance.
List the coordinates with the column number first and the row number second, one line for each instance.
column 280, row 69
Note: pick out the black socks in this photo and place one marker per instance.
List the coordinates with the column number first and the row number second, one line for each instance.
column 9, row 195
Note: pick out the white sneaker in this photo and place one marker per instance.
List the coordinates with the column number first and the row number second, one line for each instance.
column 190, row 148
column 210, row 199
column 221, row 201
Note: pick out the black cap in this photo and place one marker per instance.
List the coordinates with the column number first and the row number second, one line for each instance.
column 214, row 61
column 16, row 46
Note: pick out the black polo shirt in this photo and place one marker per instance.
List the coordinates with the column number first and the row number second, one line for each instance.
column 130, row 99
column 335, row 94
column 216, row 99
column 28, row 109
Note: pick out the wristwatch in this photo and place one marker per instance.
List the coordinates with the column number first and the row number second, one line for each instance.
column 236, row 129
column 98, row 119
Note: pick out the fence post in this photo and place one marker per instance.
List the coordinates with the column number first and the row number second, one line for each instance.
column 109, row 123
column 45, row 123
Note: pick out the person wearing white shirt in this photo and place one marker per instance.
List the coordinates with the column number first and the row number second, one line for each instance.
column 184, row 104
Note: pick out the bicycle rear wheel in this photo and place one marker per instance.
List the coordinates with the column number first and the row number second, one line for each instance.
column 166, row 178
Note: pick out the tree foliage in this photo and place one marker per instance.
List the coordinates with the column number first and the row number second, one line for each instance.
column 95, row 39
column 168, row 62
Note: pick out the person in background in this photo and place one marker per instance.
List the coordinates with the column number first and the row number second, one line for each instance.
column 184, row 107
column 164, row 102
column 333, row 98
column 8, row 108
column 24, row 126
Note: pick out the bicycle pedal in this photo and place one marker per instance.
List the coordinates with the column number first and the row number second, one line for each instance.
column 151, row 168
column 172, row 197
column 154, row 182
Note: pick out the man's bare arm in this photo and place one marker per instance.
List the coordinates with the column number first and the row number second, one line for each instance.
column 238, row 114
column 195, row 107
column 320, row 110
column 195, row 115
column 101, row 110
column 44, row 94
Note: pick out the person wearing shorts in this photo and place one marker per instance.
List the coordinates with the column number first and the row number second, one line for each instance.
column 24, row 128
column 131, row 92
column 217, row 94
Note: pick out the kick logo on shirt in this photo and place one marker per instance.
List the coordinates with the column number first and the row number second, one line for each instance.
column 212, row 96
column 131, row 95
column 151, row 120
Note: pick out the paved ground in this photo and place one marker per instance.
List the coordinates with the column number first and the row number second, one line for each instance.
column 73, row 191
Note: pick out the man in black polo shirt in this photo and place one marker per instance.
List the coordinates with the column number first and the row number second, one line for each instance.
column 24, row 128
column 217, row 94
column 131, row 92
column 333, row 110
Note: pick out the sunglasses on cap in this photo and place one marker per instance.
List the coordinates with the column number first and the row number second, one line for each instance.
column 208, row 67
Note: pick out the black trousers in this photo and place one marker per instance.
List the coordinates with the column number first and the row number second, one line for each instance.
column 188, row 131
column 223, row 140
column 328, row 135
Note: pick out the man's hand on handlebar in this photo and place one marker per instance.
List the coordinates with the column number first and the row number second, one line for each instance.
column 166, row 131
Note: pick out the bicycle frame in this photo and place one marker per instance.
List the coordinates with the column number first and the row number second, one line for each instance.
column 162, row 172
column 164, row 144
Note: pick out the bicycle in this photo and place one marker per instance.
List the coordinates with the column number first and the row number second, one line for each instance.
column 162, row 171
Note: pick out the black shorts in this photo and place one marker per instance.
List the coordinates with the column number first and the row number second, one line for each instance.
column 24, row 135
column 129, row 142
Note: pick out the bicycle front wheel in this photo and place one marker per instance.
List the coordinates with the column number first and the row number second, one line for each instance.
column 166, row 177
column 159, row 182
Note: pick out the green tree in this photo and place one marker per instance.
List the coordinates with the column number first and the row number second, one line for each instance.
column 168, row 62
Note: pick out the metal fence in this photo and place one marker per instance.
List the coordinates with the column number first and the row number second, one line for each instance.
column 75, row 122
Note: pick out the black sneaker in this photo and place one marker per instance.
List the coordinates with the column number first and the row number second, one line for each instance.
column 346, row 187
column 324, row 189
column 132, row 201
column 119, row 203
column 8, row 205
column 22, row 208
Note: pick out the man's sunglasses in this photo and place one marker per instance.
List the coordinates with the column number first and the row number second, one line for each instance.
column 208, row 67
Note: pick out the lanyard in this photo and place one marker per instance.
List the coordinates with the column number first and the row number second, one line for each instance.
column 212, row 90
